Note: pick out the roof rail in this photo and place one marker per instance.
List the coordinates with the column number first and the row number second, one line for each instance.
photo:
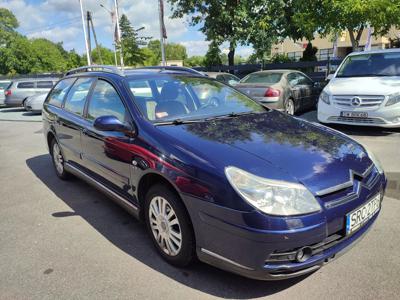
column 172, row 68
column 94, row 68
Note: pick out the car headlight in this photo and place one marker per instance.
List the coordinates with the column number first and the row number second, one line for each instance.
column 375, row 160
column 324, row 96
column 273, row 197
column 393, row 99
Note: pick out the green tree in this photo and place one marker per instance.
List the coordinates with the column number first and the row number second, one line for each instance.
column 172, row 51
column 213, row 55
column 8, row 21
column 334, row 16
column 107, row 55
column 131, row 42
column 194, row 61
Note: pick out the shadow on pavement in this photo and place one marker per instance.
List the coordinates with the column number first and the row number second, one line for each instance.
column 11, row 110
column 129, row 235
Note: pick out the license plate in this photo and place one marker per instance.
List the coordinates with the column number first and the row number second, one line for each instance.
column 354, row 114
column 358, row 217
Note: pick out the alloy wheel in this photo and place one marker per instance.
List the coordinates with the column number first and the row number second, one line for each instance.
column 165, row 226
column 289, row 107
column 58, row 158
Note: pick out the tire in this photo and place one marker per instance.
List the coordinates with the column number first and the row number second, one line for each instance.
column 58, row 160
column 290, row 107
column 177, row 248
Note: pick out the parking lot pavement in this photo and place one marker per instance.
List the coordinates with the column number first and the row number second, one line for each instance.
column 19, row 114
column 66, row 240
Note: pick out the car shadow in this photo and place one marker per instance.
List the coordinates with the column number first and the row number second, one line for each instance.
column 129, row 235
column 31, row 113
column 11, row 110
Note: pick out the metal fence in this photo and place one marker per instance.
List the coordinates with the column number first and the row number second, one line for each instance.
column 317, row 70
column 43, row 75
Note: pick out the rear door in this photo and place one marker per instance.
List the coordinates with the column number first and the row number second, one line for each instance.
column 70, row 122
column 307, row 88
column 106, row 153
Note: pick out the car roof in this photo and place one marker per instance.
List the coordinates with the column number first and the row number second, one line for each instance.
column 34, row 79
column 216, row 73
column 281, row 71
column 394, row 50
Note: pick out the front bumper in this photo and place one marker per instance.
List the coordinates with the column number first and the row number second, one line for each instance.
column 224, row 241
column 385, row 116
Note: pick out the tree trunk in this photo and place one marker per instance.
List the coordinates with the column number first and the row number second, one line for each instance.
column 231, row 58
column 355, row 40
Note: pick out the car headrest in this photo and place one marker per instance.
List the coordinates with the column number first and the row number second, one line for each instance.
column 170, row 91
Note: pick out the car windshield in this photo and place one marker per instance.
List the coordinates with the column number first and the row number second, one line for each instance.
column 168, row 98
column 375, row 64
column 268, row 78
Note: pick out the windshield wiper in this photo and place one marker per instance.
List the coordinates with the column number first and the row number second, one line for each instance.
column 231, row 115
column 179, row 122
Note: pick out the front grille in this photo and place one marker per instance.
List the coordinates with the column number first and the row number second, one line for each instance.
column 367, row 101
column 371, row 121
column 279, row 257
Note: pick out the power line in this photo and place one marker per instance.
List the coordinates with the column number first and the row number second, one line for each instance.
column 53, row 25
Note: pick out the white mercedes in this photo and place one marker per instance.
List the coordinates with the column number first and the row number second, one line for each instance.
column 365, row 90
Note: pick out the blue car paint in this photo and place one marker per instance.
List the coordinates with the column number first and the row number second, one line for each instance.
column 193, row 157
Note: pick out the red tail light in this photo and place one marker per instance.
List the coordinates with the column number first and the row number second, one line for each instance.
column 270, row 92
column 7, row 92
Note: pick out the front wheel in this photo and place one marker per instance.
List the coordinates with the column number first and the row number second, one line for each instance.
column 169, row 226
column 290, row 107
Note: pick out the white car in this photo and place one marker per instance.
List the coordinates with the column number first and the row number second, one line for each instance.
column 35, row 103
column 365, row 91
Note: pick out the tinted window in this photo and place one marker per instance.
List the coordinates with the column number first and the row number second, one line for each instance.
column 26, row 85
column 76, row 97
column 58, row 93
column 375, row 64
column 44, row 84
column 4, row 85
column 105, row 102
column 302, row 79
column 268, row 78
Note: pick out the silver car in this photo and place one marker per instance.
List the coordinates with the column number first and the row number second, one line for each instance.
column 20, row 89
column 3, row 86
column 35, row 103
column 288, row 90
column 223, row 77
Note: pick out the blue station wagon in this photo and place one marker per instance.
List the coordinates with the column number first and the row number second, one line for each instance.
column 212, row 173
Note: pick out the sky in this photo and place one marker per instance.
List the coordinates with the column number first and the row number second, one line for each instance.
column 60, row 21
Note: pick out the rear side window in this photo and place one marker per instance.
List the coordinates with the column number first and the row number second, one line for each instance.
column 26, row 85
column 44, row 84
column 105, row 101
column 77, row 95
column 58, row 93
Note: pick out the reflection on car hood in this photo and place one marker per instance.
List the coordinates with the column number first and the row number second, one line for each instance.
column 314, row 155
column 364, row 86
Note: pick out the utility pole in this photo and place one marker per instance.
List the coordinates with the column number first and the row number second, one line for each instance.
column 88, row 32
column 84, row 33
column 162, row 31
column 112, row 15
column 119, row 35
column 95, row 37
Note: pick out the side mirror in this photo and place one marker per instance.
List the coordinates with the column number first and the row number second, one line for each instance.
column 329, row 77
column 317, row 84
column 110, row 123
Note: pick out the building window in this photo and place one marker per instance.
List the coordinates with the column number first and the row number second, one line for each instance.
column 295, row 56
column 325, row 54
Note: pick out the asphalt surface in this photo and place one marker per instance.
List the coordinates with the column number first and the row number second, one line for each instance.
column 66, row 240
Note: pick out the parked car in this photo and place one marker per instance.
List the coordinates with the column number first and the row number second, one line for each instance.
column 20, row 89
column 224, row 77
column 364, row 91
column 244, row 188
column 287, row 90
column 35, row 103
column 3, row 86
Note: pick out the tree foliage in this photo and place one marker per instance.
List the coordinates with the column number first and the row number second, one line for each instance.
column 309, row 53
column 213, row 55
column 173, row 51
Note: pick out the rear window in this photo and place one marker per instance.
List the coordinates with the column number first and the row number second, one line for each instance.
column 4, row 85
column 268, row 78
column 26, row 85
column 44, row 84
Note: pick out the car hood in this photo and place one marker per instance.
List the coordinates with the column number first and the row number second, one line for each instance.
column 364, row 86
column 312, row 154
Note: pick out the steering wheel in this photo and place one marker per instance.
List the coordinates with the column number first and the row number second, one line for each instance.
column 212, row 102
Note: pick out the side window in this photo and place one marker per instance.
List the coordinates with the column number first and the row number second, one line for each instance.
column 58, row 93
column 76, row 97
column 105, row 102
column 292, row 79
column 220, row 78
column 303, row 79
column 44, row 84
column 26, row 85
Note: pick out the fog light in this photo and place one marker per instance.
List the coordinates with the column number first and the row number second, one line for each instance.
column 303, row 254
